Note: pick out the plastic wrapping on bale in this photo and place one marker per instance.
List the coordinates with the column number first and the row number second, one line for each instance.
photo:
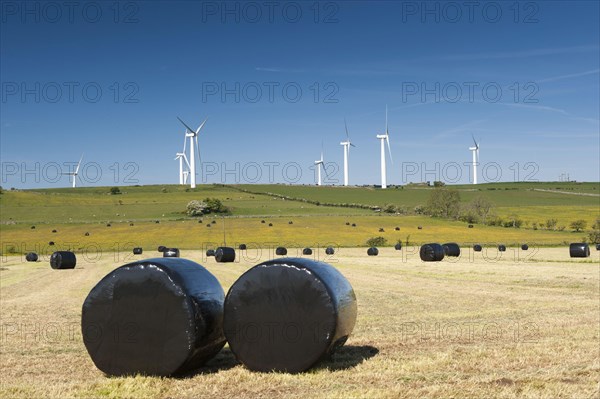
column 161, row 248
column 270, row 224
column 431, row 252
column 137, row 251
column 171, row 253
column 579, row 250
column 372, row 251
column 477, row 248
column 501, row 248
column 286, row 314
column 451, row 249
column 210, row 252
column 50, row 243
column 31, row 257
column 242, row 247
column 224, row 254
column 32, row 227
column 63, row 260
column 524, row 247
column 329, row 251
column 307, row 251
column 470, row 226
column 381, row 230
column 280, row 251
column 397, row 228
column 166, row 313
column 87, row 234
column 54, row 231
column 597, row 247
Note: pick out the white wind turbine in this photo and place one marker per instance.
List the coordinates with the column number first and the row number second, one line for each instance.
column 475, row 151
column 346, row 147
column 193, row 135
column 76, row 172
column 385, row 137
column 320, row 164
column 183, row 173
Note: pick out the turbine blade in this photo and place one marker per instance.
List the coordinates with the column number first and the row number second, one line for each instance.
column 78, row 164
column 325, row 169
column 346, row 126
column 198, row 151
column 387, row 140
column 186, row 126
column 201, row 126
column 184, row 142
column 352, row 145
column 386, row 119
column 474, row 142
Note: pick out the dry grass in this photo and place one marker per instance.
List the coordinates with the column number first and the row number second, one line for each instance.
column 513, row 327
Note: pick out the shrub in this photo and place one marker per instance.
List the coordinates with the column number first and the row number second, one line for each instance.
column 376, row 241
column 115, row 191
column 195, row 208
column 578, row 225
column 594, row 235
column 390, row 208
column 551, row 224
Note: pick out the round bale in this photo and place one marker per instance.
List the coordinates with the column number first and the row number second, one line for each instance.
column 287, row 314
column 224, row 254
column 579, row 250
column 31, row 257
column 397, row 228
column 451, row 249
column 477, row 248
column 210, row 252
column 87, row 234
column 171, row 253
column 307, row 251
column 137, row 251
column 433, row 252
column 32, row 227
column 280, row 251
column 161, row 248
column 372, row 251
column 420, row 227
column 398, row 246
column 501, row 248
column 262, row 221
column 63, row 260
column 347, row 223
column 242, row 247
column 290, row 222
column 381, row 230
column 50, row 243
column 353, row 224
column 470, row 226
column 524, row 247
column 166, row 313
column 54, row 231
column 329, row 251
column 597, row 247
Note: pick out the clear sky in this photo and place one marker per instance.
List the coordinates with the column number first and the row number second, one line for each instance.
column 277, row 79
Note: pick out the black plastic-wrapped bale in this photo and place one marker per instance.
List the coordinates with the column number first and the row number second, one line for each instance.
column 579, row 250
column 397, row 229
column 169, row 315
column 242, row 247
column 286, row 314
column 524, row 247
column 433, row 252
column 63, row 260
column 32, row 227
column 477, row 248
column 329, row 251
column 161, row 248
column 225, row 254
column 501, row 248
column 470, row 226
column 50, row 243
column 210, row 252
column 31, row 257
column 307, row 251
column 451, row 249
column 597, row 247
column 372, row 251
column 398, row 246
column 171, row 253
column 280, row 251
column 137, row 251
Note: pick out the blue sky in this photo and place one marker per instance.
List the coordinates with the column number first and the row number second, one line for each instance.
column 522, row 77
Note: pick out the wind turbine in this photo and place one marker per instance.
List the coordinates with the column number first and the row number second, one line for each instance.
column 183, row 173
column 193, row 135
column 346, row 146
column 475, row 151
column 320, row 164
column 76, row 172
column 385, row 137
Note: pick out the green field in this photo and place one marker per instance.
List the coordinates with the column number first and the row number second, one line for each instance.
column 74, row 212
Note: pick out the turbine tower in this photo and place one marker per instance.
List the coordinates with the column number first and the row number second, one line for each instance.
column 475, row 151
column 346, row 147
column 320, row 164
column 76, row 172
column 385, row 137
column 193, row 136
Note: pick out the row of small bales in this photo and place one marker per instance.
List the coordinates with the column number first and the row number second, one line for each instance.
column 432, row 252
